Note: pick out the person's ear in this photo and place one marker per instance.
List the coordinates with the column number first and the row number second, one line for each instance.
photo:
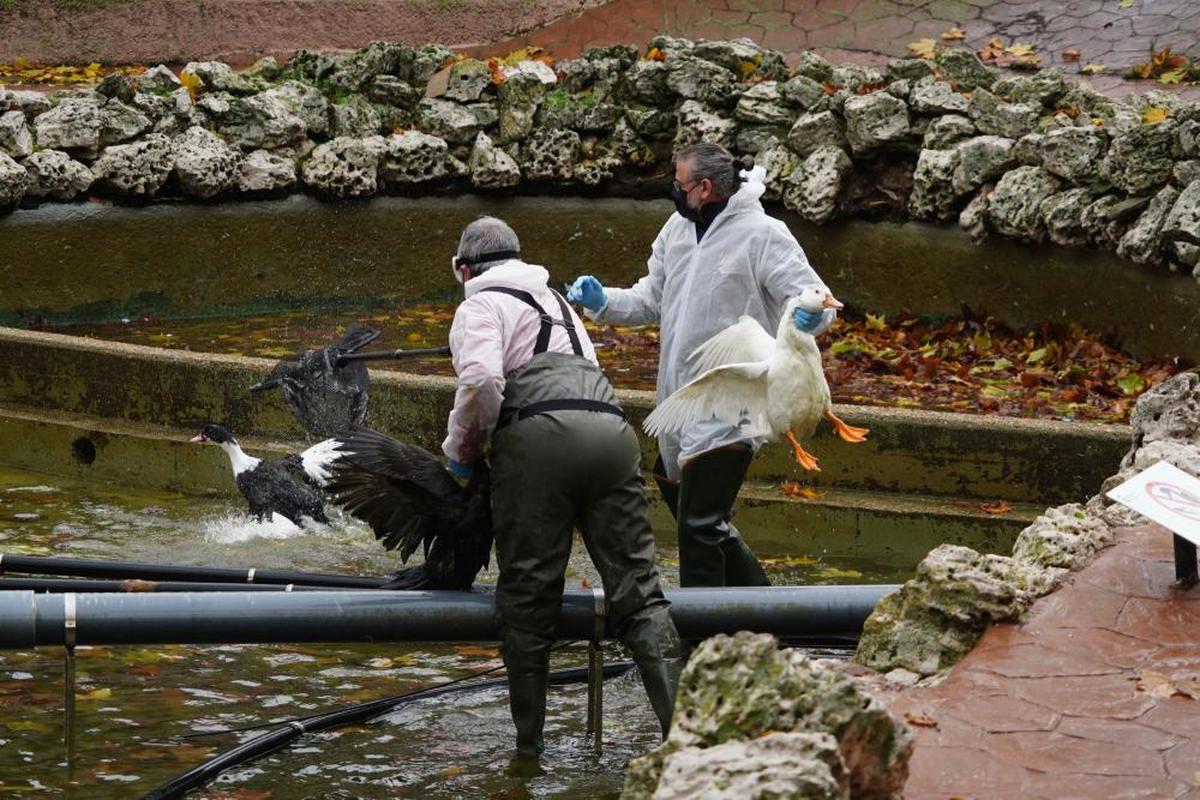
column 706, row 189
column 466, row 272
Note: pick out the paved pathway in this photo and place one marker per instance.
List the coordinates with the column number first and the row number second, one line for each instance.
column 872, row 31
column 1051, row 708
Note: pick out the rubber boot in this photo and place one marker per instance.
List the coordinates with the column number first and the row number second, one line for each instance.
column 711, row 551
column 527, row 702
column 654, row 644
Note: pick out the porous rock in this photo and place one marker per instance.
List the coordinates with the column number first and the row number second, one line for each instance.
column 306, row 102
column 120, row 123
column 54, row 175
column 70, row 126
column 874, row 120
column 1141, row 159
column 262, row 171
column 491, row 167
column 698, row 123
column 931, row 96
column 14, row 181
column 263, row 121
column 413, row 157
column 816, row 130
column 16, row 140
column 1014, row 205
column 981, row 159
column 937, row 616
column 345, row 167
column 947, row 131
column 1142, row 242
column 1062, row 214
column 205, row 165
column 1066, row 536
column 550, row 154
column 1074, row 153
column 138, row 169
column 933, row 196
column 777, row 691
column 813, row 190
column 763, row 104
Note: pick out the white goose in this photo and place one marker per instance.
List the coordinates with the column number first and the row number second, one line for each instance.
column 777, row 383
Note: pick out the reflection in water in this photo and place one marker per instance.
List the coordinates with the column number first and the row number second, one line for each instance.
column 134, row 704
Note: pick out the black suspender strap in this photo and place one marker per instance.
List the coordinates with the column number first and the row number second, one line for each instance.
column 568, row 324
column 548, row 322
column 568, row 404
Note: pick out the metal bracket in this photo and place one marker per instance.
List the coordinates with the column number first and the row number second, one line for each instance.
column 69, row 675
column 595, row 706
column 250, row 574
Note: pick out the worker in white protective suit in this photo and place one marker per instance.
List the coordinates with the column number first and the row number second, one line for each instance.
column 719, row 257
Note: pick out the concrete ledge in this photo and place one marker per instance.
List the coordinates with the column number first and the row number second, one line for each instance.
column 882, row 528
column 916, row 452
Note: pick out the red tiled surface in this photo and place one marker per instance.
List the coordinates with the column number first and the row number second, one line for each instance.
column 1050, row 708
column 871, row 31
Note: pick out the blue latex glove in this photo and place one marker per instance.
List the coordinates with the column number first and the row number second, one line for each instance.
column 461, row 471
column 807, row 321
column 588, row 292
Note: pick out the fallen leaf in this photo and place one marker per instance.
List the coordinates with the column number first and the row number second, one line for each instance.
column 96, row 694
column 1071, row 55
column 1172, row 76
column 794, row 489
column 473, row 651
column 923, row 48
column 1131, row 384
column 954, row 34
column 1156, row 684
column 453, row 771
column 920, row 720
column 1153, row 115
column 998, row 508
column 1092, row 69
column 654, row 54
column 1020, row 49
column 876, row 323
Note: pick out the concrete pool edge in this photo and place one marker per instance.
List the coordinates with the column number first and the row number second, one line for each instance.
column 909, row 451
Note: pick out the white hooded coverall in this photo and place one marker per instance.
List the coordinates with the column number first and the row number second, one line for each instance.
column 748, row 263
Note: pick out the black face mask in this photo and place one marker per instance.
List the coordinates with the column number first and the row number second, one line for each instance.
column 685, row 211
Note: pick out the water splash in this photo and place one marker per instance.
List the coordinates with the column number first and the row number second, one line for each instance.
column 233, row 528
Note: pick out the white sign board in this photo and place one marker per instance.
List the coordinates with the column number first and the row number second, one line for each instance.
column 1167, row 495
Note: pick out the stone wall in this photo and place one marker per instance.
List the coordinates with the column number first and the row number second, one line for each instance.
column 1032, row 157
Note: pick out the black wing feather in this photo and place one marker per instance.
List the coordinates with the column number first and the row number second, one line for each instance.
column 410, row 500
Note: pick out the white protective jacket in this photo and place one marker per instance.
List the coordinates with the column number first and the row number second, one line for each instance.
column 748, row 263
column 492, row 335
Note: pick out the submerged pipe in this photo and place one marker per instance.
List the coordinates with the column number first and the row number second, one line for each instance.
column 120, row 570
column 28, row 619
column 138, row 585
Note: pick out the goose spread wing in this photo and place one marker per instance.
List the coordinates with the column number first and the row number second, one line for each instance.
column 730, row 393
column 741, row 343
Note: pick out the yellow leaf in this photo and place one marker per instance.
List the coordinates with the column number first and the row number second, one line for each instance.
column 1153, row 115
column 876, row 323
column 924, row 48
column 1020, row 49
column 97, row 694
column 192, row 83
column 21, row 63
column 1173, row 76
column 1092, row 69
column 954, row 34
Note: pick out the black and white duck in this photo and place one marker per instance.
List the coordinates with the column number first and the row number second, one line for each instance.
column 270, row 487
column 410, row 500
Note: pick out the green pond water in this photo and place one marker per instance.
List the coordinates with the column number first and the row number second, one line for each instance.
column 135, row 703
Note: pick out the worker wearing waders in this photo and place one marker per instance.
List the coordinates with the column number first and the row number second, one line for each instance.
column 562, row 457
column 718, row 258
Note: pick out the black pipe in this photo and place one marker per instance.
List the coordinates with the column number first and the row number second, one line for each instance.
column 389, row 354
column 45, row 585
column 29, row 620
column 84, row 568
column 275, row 739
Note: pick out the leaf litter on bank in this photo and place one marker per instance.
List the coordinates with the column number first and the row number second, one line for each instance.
column 969, row 363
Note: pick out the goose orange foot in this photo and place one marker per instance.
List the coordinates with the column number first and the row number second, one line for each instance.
column 803, row 457
column 848, row 433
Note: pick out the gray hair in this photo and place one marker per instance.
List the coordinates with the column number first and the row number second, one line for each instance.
column 714, row 162
column 486, row 235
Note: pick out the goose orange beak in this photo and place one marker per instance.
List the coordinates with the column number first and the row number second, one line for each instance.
column 199, row 438
column 831, row 302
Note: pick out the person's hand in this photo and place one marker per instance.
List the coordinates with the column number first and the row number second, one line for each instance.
column 461, row 471
column 807, row 321
column 588, row 292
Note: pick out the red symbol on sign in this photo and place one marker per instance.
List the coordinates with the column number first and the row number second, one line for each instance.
column 1175, row 499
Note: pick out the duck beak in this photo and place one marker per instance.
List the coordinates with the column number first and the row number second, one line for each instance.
column 831, row 302
column 198, row 439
